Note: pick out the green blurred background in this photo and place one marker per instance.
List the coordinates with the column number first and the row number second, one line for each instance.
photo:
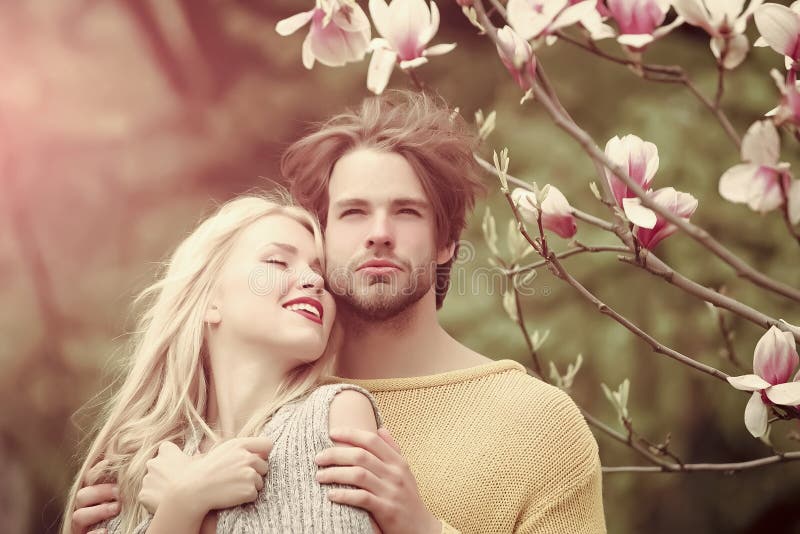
column 124, row 122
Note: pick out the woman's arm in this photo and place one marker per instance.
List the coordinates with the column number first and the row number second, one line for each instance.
column 351, row 409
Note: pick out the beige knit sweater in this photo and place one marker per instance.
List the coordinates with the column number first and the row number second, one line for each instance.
column 292, row 501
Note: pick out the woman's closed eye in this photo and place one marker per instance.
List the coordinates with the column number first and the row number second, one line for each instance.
column 276, row 261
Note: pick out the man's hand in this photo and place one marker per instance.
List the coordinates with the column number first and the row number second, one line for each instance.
column 387, row 488
column 94, row 504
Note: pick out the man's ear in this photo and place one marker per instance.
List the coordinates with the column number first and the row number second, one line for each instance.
column 445, row 253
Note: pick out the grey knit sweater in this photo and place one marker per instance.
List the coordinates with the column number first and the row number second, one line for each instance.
column 292, row 501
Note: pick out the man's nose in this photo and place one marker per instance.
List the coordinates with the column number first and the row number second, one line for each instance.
column 380, row 233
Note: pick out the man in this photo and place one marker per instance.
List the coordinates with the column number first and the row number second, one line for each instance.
column 471, row 445
column 475, row 445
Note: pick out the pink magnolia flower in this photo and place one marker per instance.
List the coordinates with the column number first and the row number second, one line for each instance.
column 556, row 211
column 788, row 110
column 725, row 21
column 756, row 182
column 677, row 202
column 779, row 27
column 640, row 21
column 638, row 157
column 535, row 19
column 339, row 33
column 407, row 26
column 517, row 56
column 774, row 360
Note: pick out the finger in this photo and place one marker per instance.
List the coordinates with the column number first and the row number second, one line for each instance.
column 99, row 531
column 356, row 497
column 99, row 493
column 167, row 447
column 260, row 445
column 352, row 456
column 258, row 480
column 384, row 433
column 83, row 518
column 260, row 465
column 365, row 439
column 351, row 476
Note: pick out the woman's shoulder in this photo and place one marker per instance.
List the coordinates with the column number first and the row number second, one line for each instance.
column 338, row 402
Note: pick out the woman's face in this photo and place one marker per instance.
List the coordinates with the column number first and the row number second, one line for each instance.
column 270, row 294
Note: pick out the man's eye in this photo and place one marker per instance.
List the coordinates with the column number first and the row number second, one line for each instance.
column 351, row 211
column 410, row 211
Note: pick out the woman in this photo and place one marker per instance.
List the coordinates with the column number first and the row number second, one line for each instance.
column 226, row 364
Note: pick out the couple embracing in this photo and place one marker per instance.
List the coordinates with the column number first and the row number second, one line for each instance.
column 289, row 373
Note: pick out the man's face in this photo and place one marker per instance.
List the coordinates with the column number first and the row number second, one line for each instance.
column 380, row 235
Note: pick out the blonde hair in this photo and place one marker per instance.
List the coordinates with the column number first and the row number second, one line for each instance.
column 164, row 392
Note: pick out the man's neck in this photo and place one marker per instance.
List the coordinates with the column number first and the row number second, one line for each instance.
column 411, row 344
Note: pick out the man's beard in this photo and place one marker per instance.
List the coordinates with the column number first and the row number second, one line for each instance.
column 377, row 298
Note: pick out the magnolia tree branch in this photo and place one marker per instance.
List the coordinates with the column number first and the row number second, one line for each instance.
column 648, row 261
column 700, row 235
column 667, row 74
column 727, row 468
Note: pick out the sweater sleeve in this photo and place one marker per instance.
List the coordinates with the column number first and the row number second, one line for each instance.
column 295, row 501
column 573, row 501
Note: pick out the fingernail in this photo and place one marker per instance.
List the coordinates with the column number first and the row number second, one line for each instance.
column 337, row 431
column 114, row 507
column 332, row 494
column 115, row 492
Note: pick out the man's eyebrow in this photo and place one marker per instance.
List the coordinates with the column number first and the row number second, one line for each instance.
column 349, row 203
column 419, row 203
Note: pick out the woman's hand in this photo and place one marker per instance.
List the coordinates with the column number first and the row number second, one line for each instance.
column 230, row 474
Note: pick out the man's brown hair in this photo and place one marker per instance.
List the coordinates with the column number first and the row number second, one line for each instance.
column 434, row 140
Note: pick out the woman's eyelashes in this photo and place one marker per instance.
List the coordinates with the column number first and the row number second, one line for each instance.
column 276, row 261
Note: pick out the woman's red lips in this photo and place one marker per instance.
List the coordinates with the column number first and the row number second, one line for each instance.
column 307, row 301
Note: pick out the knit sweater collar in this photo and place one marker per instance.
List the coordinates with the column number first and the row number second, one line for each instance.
column 439, row 379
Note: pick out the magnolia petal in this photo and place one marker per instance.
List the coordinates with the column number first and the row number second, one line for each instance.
column 694, row 13
column 381, row 17
column 308, row 55
column 639, row 215
column 432, row 27
column 780, row 28
column 735, row 184
column 635, row 40
column 756, row 415
column 353, row 20
column 794, row 202
column 525, row 21
column 661, row 31
column 380, row 69
column 440, row 49
column 775, row 357
column 785, row 394
column 760, row 42
column 761, row 143
column 573, row 14
column 748, row 382
column 290, row 25
column 735, row 50
column 413, row 63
